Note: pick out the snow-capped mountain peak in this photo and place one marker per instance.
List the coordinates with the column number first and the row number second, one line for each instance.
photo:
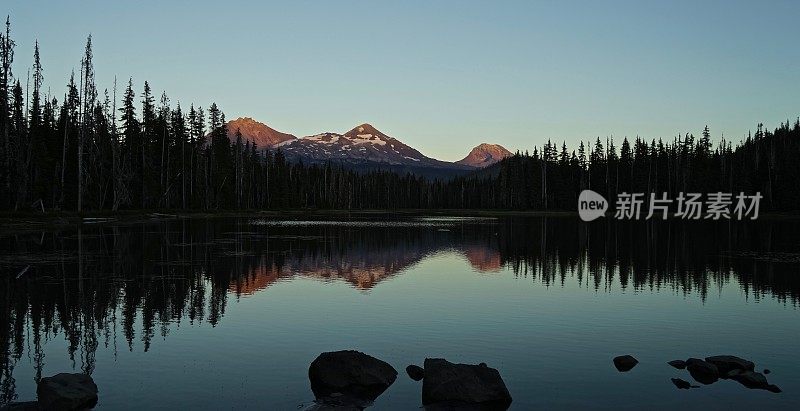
column 367, row 132
column 362, row 145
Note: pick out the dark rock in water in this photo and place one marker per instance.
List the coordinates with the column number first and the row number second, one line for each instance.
column 462, row 406
column 21, row 406
column 766, row 371
column 773, row 388
column 682, row 384
column 625, row 363
column 702, row 371
column 67, row 392
column 349, row 376
column 732, row 373
column 726, row 363
column 755, row 380
column 679, row 364
column 458, row 386
column 415, row 372
column 338, row 402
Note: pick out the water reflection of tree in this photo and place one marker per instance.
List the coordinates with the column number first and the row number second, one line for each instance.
column 688, row 257
column 93, row 284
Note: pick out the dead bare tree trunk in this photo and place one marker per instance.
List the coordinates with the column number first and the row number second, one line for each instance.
column 64, row 155
column 81, row 122
column 163, row 166
column 183, row 172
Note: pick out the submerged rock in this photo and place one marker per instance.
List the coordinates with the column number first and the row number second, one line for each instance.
column 682, row 384
column 415, row 372
column 755, row 380
column 67, row 392
column 679, row 364
column 456, row 386
column 349, row 377
column 702, row 371
column 727, row 363
column 338, row 402
column 751, row 379
column 732, row 373
column 21, row 406
column 625, row 363
column 766, row 371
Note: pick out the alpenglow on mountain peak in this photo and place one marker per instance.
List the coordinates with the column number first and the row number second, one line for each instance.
column 484, row 155
column 366, row 130
column 362, row 147
column 256, row 132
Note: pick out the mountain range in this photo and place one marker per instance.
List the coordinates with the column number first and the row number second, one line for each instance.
column 363, row 147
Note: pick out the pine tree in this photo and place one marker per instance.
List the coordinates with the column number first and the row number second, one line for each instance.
column 148, row 131
column 238, row 168
column 88, row 100
column 38, row 134
column 21, row 150
column 6, row 147
column 130, row 146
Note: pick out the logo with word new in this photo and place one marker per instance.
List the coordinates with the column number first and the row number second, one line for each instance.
column 591, row 205
column 687, row 206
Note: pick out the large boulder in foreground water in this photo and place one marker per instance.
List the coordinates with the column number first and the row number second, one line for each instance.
column 349, row 374
column 463, row 385
column 67, row 392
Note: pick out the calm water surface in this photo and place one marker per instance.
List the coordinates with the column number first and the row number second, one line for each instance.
column 229, row 313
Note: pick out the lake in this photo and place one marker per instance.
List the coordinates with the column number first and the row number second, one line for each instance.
column 221, row 313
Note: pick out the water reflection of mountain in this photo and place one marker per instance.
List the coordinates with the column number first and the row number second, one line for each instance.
column 93, row 285
column 362, row 267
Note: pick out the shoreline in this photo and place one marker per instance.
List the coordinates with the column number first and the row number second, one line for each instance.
column 72, row 217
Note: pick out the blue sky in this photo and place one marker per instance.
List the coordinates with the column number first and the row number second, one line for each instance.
column 442, row 76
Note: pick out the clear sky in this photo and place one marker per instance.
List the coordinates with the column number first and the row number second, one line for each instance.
column 442, row 76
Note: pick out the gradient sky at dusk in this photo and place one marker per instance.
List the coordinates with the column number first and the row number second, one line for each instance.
column 442, row 76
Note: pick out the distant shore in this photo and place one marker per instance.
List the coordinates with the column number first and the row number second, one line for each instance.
column 56, row 218
column 70, row 217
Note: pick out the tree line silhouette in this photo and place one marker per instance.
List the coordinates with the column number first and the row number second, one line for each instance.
column 84, row 151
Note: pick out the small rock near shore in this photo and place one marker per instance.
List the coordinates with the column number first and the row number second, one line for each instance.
column 415, row 372
column 625, row 363
column 679, row 364
column 682, row 384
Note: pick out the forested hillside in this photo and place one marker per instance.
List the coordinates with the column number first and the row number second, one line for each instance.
column 88, row 149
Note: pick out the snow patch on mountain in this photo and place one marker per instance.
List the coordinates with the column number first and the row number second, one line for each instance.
column 362, row 144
